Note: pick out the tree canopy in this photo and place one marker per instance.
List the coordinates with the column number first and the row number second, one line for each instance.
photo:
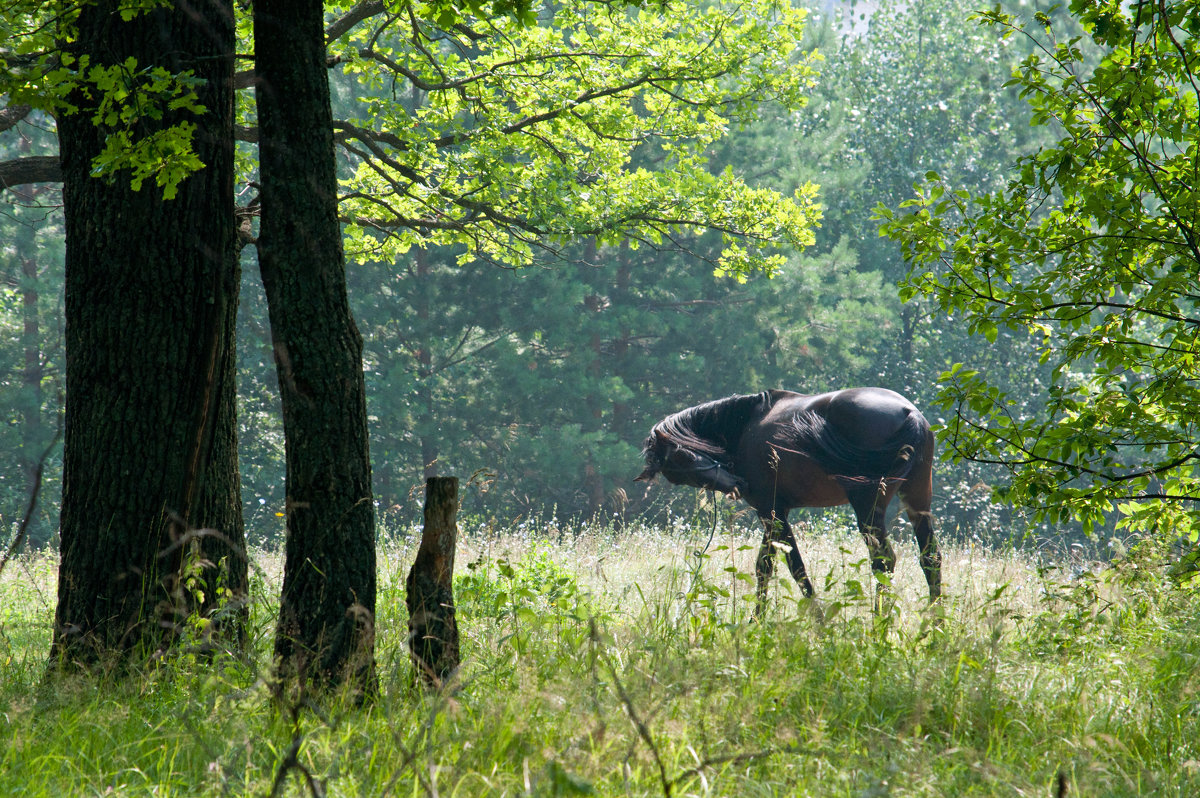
column 505, row 138
column 499, row 128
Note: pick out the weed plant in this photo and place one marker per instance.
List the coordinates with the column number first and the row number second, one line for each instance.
column 625, row 661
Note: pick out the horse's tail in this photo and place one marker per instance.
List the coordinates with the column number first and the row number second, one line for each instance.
column 901, row 466
column 910, row 452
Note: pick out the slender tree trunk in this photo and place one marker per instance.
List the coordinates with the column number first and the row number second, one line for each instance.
column 427, row 420
column 326, row 626
column 621, row 423
column 909, row 319
column 33, row 434
column 151, row 299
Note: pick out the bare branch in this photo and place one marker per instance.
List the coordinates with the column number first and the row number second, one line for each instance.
column 13, row 114
column 34, row 169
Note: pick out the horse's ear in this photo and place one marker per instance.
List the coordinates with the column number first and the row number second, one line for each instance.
column 661, row 436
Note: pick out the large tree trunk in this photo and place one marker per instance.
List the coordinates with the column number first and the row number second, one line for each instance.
column 151, row 298
column 327, row 610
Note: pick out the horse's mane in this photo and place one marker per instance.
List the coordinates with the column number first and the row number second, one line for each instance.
column 814, row 435
column 715, row 427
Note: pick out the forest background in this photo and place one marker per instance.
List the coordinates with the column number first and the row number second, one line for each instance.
column 537, row 384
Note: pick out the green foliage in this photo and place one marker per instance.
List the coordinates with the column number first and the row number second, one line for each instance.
column 1090, row 250
column 828, row 314
column 922, row 94
column 593, row 123
column 140, row 109
column 533, row 581
column 129, row 97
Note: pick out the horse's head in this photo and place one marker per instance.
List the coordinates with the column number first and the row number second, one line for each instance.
column 682, row 466
column 655, row 449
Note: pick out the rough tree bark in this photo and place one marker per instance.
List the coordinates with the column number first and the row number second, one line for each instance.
column 151, row 297
column 325, row 636
column 429, row 589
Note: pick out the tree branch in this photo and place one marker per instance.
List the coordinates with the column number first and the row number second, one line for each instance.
column 13, row 114
column 364, row 10
column 34, row 169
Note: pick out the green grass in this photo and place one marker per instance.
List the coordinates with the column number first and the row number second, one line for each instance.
column 621, row 663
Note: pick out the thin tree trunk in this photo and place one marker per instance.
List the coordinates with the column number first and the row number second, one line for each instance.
column 325, row 635
column 151, row 299
column 33, row 434
column 427, row 418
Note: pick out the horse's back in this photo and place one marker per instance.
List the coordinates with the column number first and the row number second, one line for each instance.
column 872, row 416
column 855, row 432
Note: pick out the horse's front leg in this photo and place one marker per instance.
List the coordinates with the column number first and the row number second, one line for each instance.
column 784, row 535
column 764, row 566
column 777, row 529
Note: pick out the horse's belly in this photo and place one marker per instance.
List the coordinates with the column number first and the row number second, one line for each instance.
column 796, row 481
column 816, row 492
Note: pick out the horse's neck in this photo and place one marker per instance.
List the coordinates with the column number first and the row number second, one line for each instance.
column 726, row 419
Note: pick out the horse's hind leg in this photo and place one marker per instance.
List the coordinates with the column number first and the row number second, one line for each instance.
column 916, row 497
column 931, row 557
column 870, row 509
column 927, row 544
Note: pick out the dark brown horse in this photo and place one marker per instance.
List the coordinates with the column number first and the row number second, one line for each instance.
column 779, row 450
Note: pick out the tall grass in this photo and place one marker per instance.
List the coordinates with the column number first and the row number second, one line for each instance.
column 625, row 662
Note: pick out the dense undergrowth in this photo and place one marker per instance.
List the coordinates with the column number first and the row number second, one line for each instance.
column 626, row 663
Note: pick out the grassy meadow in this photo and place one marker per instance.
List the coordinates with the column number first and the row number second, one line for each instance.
column 606, row 662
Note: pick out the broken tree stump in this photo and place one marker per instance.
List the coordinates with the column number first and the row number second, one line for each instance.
column 432, row 629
